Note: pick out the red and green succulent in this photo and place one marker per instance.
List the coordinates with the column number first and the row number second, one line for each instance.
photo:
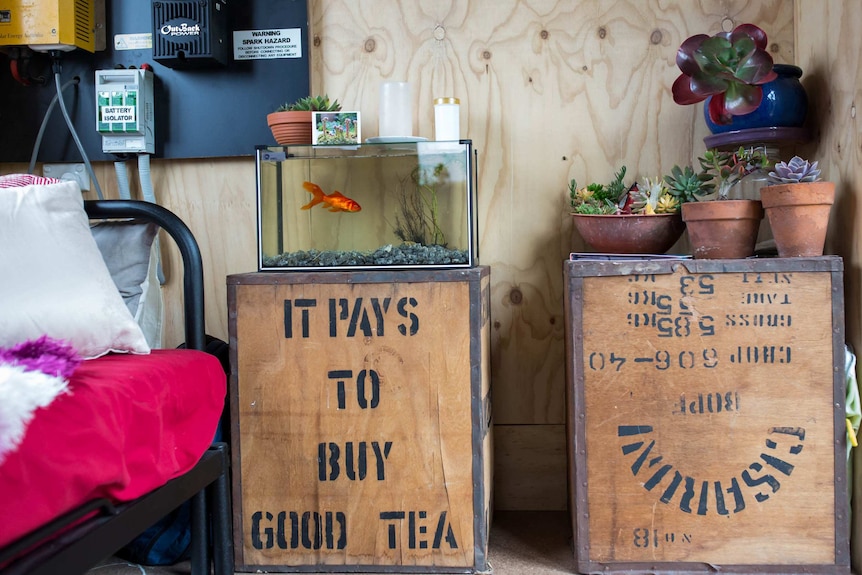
column 730, row 67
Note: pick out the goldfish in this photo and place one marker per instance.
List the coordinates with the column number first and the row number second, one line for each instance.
column 335, row 202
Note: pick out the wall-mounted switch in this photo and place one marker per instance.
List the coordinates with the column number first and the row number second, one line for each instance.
column 74, row 172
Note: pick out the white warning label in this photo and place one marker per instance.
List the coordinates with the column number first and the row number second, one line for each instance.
column 118, row 114
column 267, row 44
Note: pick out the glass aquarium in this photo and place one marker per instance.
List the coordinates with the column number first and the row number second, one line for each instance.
column 369, row 206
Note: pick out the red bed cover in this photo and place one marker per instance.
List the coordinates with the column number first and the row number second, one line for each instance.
column 128, row 425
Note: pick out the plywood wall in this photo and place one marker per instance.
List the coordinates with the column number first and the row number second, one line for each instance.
column 550, row 90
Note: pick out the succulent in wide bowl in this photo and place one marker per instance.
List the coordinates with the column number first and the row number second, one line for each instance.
column 614, row 218
column 649, row 196
column 598, row 199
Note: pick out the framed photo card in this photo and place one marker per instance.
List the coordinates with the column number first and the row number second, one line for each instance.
column 335, row 128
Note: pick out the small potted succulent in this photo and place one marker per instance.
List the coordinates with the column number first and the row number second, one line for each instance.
column 615, row 218
column 733, row 71
column 719, row 227
column 291, row 123
column 798, row 204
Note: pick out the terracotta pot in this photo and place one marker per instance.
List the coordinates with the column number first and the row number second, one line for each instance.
column 630, row 233
column 290, row 127
column 722, row 229
column 799, row 216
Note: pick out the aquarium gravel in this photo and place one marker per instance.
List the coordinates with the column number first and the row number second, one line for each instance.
column 388, row 255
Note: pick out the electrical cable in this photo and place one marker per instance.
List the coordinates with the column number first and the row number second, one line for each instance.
column 38, row 143
column 56, row 61
column 123, row 179
column 16, row 73
column 149, row 195
column 146, row 178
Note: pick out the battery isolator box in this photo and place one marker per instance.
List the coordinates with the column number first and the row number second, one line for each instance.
column 124, row 111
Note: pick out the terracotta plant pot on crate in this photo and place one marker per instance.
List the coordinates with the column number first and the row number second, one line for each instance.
column 722, row 229
column 799, row 216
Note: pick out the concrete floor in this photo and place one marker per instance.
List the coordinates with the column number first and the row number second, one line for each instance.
column 521, row 543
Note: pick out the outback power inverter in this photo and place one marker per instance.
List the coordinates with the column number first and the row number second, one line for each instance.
column 190, row 33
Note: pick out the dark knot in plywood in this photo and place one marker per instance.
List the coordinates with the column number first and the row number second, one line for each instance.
column 603, row 32
column 655, row 37
column 516, row 296
column 370, row 45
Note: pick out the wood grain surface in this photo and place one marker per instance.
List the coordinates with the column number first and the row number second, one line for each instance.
column 709, row 418
column 359, row 402
column 550, row 90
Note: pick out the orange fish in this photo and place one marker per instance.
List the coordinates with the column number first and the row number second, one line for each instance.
column 335, row 202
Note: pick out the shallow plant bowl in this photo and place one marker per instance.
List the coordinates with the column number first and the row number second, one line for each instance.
column 630, row 233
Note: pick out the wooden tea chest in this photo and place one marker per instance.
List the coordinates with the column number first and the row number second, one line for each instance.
column 706, row 420
column 361, row 421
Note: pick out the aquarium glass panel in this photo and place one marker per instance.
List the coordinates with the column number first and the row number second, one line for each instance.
column 369, row 206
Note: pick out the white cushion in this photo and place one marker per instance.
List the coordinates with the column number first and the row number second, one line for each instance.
column 53, row 280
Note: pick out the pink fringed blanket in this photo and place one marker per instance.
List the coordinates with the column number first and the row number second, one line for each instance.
column 32, row 375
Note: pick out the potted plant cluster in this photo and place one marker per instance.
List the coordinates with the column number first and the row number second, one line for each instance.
column 743, row 89
column 650, row 216
column 613, row 218
column 797, row 205
column 742, row 86
column 291, row 123
column 719, row 227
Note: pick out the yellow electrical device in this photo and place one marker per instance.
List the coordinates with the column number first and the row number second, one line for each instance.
column 45, row 25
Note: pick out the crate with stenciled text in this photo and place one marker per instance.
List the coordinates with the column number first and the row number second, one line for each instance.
column 706, row 421
column 361, row 420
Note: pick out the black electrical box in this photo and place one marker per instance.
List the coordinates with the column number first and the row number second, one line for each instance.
column 190, row 33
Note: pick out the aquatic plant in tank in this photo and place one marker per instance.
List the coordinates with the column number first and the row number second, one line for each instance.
column 419, row 222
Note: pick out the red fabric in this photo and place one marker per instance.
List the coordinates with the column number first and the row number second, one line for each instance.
column 21, row 180
column 129, row 424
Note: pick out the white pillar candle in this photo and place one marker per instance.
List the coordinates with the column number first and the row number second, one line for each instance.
column 396, row 110
column 447, row 119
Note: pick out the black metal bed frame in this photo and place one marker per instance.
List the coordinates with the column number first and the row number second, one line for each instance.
column 70, row 546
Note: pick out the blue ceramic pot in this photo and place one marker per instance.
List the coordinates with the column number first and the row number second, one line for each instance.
column 784, row 105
